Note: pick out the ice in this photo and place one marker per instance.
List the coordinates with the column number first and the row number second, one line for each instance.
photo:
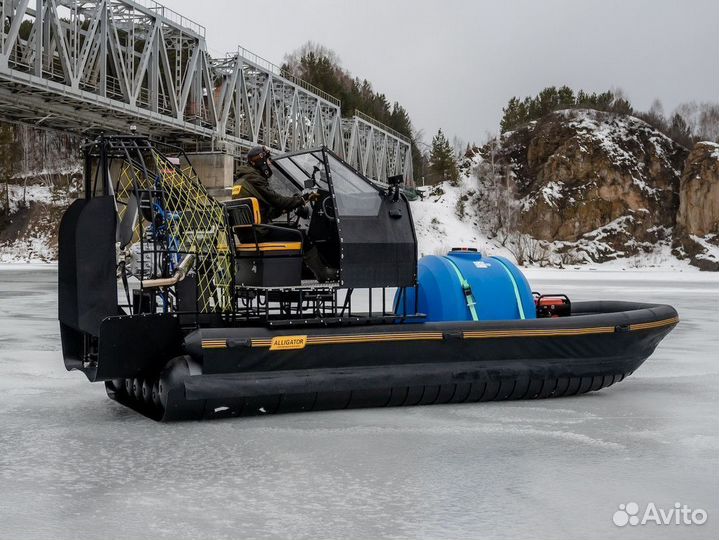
column 74, row 464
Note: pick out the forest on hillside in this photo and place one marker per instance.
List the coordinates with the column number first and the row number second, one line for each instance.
column 441, row 160
column 689, row 123
column 321, row 67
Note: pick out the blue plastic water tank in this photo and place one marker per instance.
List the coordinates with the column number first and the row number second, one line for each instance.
column 499, row 289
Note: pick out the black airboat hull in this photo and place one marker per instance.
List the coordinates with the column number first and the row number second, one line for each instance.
column 223, row 372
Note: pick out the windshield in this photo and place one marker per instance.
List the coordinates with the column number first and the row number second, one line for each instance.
column 281, row 184
column 301, row 167
column 355, row 196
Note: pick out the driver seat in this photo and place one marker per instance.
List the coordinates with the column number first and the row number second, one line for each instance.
column 265, row 255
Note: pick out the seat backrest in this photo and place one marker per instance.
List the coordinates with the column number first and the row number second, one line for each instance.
column 243, row 213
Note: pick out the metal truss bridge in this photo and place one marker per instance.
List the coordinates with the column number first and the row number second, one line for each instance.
column 102, row 65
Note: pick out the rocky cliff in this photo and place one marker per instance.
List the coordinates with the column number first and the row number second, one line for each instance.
column 599, row 186
column 697, row 230
column 576, row 186
column 39, row 177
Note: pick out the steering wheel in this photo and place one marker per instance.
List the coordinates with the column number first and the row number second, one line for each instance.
column 325, row 206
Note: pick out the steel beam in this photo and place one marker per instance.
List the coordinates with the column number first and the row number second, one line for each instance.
column 99, row 65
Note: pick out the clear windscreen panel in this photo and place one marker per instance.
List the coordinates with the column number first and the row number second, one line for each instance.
column 354, row 195
column 281, row 184
column 301, row 167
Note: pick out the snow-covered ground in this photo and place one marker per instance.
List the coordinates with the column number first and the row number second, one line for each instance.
column 19, row 194
column 32, row 250
column 36, row 243
column 441, row 216
column 436, row 220
column 448, row 216
column 74, row 464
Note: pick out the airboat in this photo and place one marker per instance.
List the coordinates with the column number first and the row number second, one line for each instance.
column 189, row 307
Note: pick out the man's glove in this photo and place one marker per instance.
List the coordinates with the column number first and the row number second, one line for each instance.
column 311, row 196
column 303, row 212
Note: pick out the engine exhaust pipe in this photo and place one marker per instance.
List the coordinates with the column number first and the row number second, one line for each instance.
column 180, row 274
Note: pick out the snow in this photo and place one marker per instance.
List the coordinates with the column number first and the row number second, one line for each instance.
column 552, row 191
column 642, row 185
column 39, row 193
column 440, row 227
column 442, row 220
column 33, row 249
column 74, row 464
column 711, row 251
column 711, row 144
column 62, row 169
column 36, row 245
column 609, row 136
column 612, row 133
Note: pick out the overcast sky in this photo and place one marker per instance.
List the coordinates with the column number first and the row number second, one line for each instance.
column 454, row 64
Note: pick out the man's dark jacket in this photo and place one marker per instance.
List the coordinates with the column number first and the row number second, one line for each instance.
column 272, row 204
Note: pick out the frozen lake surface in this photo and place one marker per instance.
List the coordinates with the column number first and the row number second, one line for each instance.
column 74, row 464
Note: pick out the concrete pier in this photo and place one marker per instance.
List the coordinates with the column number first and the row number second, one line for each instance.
column 215, row 171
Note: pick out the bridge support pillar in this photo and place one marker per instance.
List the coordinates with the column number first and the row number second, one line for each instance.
column 214, row 169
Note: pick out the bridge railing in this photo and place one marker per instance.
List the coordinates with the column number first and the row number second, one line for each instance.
column 108, row 64
column 277, row 70
column 171, row 15
column 382, row 126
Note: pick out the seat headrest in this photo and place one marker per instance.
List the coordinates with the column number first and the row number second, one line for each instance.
column 243, row 212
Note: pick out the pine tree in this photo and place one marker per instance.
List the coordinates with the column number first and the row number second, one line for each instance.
column 566, row 97
column 679, row 131
column 321, row 67
column 511, row 115
column 442, row 161
column 519, row 112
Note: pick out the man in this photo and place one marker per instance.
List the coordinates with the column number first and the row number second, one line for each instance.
column 253, row 181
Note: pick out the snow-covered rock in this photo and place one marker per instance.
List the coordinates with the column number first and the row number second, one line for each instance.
column 697, row 235
column 448, row 216
column 597, row 185
column 40, row 171
column 28, row 233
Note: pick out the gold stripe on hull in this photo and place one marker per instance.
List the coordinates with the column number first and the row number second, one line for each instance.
column 654, row 324
column 438, row 336
column 360, row 338
column 214, row 343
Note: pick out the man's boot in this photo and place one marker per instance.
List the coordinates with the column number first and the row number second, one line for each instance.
column 321, row 271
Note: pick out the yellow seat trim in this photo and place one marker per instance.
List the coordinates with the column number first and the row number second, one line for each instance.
column 271, row 246
column 253, row 202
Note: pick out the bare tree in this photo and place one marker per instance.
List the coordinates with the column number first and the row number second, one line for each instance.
column 8, row 160
column 528, row 250
column 497, row 192
column 702, row 119
column 458, row 145
column 656, row 109
column 507, row 204
column 292, row 61
column 708, row 127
